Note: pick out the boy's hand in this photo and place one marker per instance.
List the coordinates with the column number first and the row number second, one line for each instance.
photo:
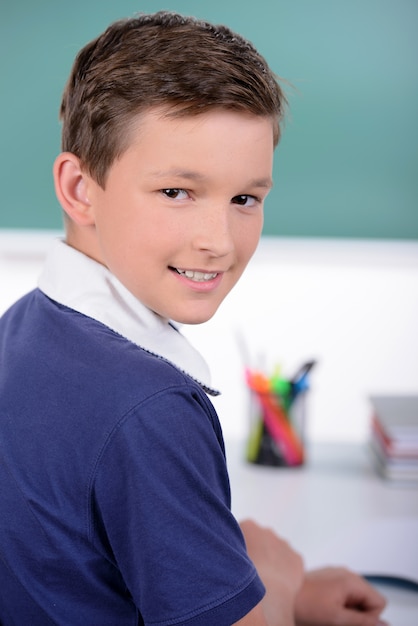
column 279, row 567
column 334, row 595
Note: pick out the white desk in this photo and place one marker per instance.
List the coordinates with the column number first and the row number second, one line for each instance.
column 327, row 509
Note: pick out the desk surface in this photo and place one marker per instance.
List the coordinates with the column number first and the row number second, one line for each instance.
column 328, row 509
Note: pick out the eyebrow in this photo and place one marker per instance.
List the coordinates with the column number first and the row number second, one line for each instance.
column 265, row 183
column 178, row 173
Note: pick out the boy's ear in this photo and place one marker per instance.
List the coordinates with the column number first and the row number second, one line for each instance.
column 71, row 187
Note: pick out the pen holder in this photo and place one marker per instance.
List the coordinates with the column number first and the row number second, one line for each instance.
column 277, row 421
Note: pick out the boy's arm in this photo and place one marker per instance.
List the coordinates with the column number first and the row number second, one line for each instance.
column 334, row 595
column 328, row 596
column 281, row 570
column 256, row 617
column 322, row 597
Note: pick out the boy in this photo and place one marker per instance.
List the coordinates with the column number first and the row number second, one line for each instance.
column 115, row 497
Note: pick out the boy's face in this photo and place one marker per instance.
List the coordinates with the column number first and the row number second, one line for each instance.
column 182, row 210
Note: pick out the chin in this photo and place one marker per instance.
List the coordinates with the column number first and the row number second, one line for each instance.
column 192, row 319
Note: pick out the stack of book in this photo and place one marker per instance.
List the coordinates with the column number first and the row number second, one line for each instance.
column 394, row 437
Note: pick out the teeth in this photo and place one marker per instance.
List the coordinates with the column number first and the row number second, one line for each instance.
column 198, row 276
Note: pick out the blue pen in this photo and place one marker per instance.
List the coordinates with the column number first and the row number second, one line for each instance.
column 299, row 381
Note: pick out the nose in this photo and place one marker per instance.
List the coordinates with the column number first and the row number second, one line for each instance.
column 214, row 230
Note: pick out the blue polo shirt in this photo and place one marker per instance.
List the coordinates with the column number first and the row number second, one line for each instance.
column 114, row 492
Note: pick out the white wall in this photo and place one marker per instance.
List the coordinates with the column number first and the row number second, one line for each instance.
column 352, row 305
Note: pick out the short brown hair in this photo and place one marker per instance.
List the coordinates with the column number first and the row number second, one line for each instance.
column 163, row 59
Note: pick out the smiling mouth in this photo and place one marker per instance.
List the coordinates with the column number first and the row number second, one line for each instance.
column 199, row 277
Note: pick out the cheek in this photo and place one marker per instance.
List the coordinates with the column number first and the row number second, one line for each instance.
column 248, row 241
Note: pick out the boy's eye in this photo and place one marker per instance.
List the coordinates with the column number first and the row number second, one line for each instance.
column 174, row 194
column 244, row 200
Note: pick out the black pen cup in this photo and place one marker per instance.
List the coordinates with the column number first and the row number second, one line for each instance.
column 277, row 419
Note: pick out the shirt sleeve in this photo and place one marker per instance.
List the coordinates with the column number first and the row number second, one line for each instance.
column 162, row 507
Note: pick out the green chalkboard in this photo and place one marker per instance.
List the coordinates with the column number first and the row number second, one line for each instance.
column 348, row 162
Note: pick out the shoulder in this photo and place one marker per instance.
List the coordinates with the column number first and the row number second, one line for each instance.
column 74, row 339
column 90, row 371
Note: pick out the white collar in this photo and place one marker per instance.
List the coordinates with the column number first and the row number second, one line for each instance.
column 80, row 283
